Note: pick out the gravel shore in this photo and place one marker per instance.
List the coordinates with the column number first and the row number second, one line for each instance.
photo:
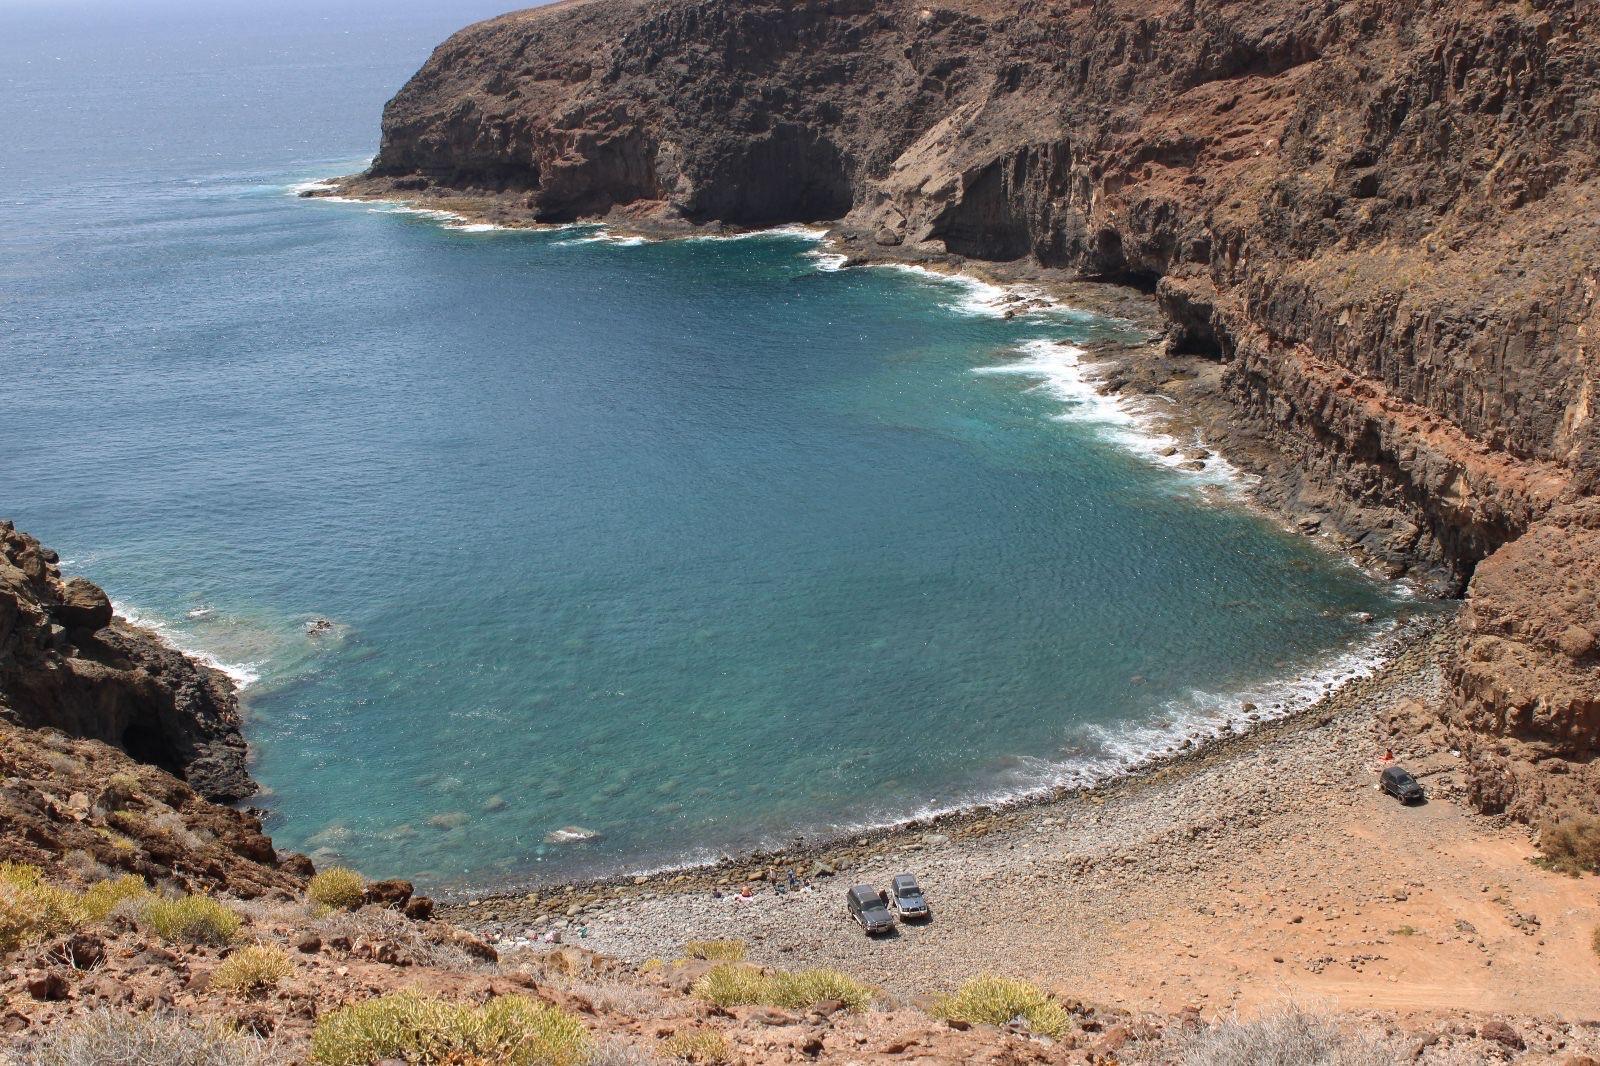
column 1259, row 866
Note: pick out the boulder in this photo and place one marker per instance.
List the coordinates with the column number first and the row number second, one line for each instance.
column 84, row 607
column 571, row 834
column 394, row 893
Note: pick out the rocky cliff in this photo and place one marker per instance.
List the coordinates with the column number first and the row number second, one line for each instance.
column 1377, row 218
column 67, row 662
column 117, row 752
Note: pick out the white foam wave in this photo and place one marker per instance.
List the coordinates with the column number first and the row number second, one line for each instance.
column 984, row 299
column 800, row 230
column 1132, row 422
column 1110, row 752
column 827, row 262
column 451, row 219
column 243, row 674
column 605, row 236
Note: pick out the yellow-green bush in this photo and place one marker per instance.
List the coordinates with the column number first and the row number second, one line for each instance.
column 714, row 950
column 733, row 985
column 32, row 908
column 337, row 887
column 737, row 985
column 512, row 1030
column 255, row 968
column 101, row 898
column 706, row 1047
column 190, row 919
column 810, row 987
column 997, row 1000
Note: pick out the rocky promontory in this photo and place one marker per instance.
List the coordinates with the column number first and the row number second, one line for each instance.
column 67, row 662
column 1374, row 220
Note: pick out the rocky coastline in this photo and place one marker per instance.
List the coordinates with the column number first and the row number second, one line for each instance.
column 68, row 663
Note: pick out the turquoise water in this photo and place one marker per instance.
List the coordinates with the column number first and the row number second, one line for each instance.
column 696, row 544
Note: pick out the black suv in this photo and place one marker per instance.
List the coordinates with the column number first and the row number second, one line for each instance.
column 1401, row 785
column 868, row 906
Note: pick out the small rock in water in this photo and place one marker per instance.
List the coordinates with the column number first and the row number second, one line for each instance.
column 318, row 626
column 450, row 820
column 570, row 834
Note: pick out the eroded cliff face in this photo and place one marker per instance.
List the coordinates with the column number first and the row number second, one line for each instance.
column 1378, row 218
column 66, row 662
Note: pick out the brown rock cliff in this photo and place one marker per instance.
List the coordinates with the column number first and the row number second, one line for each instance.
column 67, row 663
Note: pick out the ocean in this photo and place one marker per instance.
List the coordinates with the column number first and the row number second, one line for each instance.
column 695, row 545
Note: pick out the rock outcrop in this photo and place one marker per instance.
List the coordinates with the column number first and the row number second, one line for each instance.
column 1377, row 218
column 67, row 663
column 1526, row 671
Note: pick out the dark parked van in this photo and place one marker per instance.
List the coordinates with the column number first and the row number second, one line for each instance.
column 1401, row 785
column 868, row 907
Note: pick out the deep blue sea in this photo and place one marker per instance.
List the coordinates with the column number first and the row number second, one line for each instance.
column 696, row 544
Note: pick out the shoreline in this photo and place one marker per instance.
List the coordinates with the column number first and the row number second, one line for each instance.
column 1023, row 288
column 1264, row 868
column 540, row 901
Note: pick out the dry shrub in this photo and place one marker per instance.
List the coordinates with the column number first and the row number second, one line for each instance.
column 112, row 1038
column 614, row 1052
column 265, row 911
column 736, row 985
column 999, row 1000
column 190, row 920
column 31, row 908
column 253, row 969
column 715, row 950
column 1291, row 1036
column 613, row 995
column 120, row 789
column 412, row 941
column 1571, row 845
column 1594, row 940
column 337, row 887
column 171, row 824
column 701, row 1046
column 86, row 866
column 511, row 1030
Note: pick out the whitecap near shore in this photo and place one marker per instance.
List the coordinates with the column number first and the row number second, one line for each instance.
column 243, row 674
column 1094, row 756
column 1131, row 422
column 985, row 299
column 1102, row 754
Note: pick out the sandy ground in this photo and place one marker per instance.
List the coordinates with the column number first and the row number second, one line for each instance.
column 1265, row 868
